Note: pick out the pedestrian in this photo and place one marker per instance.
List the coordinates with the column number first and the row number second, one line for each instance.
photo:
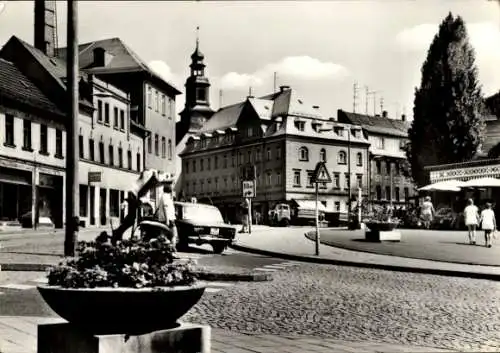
column 166, row 212
column 471, row 217
column 488, row 224
column 427, row 212
column 244, row 216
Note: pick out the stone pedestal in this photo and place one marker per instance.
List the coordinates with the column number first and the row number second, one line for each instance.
column 66, row 338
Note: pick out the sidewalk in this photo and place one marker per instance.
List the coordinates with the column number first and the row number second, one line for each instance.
column 291, row 243
column 18, row 335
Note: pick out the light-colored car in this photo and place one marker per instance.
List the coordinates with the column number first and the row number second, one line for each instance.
column 202, row 224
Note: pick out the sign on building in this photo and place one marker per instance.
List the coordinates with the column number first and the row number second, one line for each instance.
column 95, row 177
column 249, row 188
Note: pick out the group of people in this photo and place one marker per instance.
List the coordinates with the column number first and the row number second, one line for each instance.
column 473, row 219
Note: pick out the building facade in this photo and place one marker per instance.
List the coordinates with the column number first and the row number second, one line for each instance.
column 284, row 139
column 389, row 183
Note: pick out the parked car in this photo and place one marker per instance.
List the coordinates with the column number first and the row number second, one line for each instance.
column 280, row 215
column 202, row 224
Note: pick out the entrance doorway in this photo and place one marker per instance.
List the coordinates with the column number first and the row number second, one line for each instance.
column 102, row 206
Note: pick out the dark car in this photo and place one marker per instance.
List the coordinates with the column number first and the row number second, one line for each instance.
column 202, row 224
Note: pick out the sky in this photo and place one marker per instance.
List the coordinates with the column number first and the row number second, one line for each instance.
column 319, row 48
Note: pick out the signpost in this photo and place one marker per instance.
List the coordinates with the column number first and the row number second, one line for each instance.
column 248, row 194
column 321, row 175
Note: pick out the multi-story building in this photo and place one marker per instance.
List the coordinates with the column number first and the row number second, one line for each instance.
column 387, row 137
column 284, row 138
column 111, row 153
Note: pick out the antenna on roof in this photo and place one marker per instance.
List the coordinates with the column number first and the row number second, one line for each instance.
column 355, row 97
column 381, row 104
column 367, row 94
column 220, row 98
column 275, row 81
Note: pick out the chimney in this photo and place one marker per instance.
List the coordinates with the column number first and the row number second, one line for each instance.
column 315, row 106
column 101, row 57
column 403, row 117
column 284, row 88
column 384, row 114
column 45, row 26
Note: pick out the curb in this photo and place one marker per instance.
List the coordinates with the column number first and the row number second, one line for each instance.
column 377, row 266
column 233, row 277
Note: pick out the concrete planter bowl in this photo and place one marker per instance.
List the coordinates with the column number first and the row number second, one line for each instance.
column 109, row 310
column 381, row 226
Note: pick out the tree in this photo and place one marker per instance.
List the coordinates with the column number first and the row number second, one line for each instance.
column 447, row 121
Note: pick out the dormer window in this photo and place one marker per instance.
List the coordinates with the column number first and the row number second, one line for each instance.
column 300, row 125
column 316, row 126
column 250, row 131
column 339, row 131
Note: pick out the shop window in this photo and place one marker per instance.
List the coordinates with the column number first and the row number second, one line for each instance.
column 114, row 203
column 83, row 200
column 378, row 191
column 388, row 195
column 396, row 194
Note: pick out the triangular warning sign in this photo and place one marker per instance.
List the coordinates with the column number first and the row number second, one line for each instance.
column 321, row 174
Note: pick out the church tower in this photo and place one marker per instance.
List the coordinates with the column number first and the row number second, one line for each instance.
column 197, row 108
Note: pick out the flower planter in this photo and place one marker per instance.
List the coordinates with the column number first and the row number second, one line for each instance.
column 379, row 231
column 107, row 310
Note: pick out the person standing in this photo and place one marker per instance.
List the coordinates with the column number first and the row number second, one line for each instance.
column 488, row 224
column 471, row 217
column 166, row 212
column 427, row 212
column 244, row 216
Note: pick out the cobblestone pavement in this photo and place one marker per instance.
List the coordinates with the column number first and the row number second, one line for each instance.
column 355, row 304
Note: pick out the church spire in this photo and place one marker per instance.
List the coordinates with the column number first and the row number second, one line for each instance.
column 197, row 56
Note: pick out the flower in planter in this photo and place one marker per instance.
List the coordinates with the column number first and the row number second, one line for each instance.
column 134, row 263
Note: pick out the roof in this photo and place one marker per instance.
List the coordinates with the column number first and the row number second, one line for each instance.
column 16, row 86
column 288, row 102
column 263, row 107
column 224, row 118
column 376, row 124
column 124, row 59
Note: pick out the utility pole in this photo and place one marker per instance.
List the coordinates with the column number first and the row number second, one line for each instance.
column 72, row 156
column 381, row 104
column 355, row 97
column 275, row 81
column 374, row 103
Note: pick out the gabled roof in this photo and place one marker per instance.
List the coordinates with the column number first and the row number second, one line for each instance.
column 263, row 107
column 224, row 118
column 14, row 85
column 288, row 102
column 124, row 59
column 376, row 124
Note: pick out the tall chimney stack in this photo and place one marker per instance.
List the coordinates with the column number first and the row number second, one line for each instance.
column 45, row 26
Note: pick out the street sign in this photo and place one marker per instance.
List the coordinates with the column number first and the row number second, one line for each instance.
column 95, row 177
column 248, row 172
column 321, row 174
column 248, row 188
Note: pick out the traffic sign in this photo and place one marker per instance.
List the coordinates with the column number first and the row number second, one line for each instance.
column 321, row 174
column 248, row 188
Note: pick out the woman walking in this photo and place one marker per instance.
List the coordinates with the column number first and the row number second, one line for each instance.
column 488, row 224
column 427, row 212
column 471, row 216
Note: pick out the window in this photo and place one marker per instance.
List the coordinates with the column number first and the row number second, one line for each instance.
column 303, row 154
column 381, row 143
column 300, row 125
column 250, row 132
column 170, row 152
column 115, row 116
column 201, row 94
column 111, row 152
column 216, row 162
column 202, row 164
column 209, row 165
column 194, row 186
column 233, row 159
column 80, row 146
column 278, row 178
column 202, row 183
column 388, row 195
column 186, row 167
column 224, row 163
column 216, row 186
column 106, row 113
column 337, row 206
column 163, row 147
column 101, row 153
column 163, row 105
column 150, row 148
column 122, row 119
column 359, row 180
column 114, row 203
column 171, row 108
column 397, row 169
column 396, row 192
column 9, row 130
column 27, row 135
column 150, row 97
column 240, row 158
column 249, row 157
column 269, row 178
column 322, row 155
column 99, row 111
column 157, row 103
column 378, row 166
column 347, row 181
column 129, row 160
column 268, row 153
column 388, row 168
column 359, row 159
column 120, row 157
column 194, row 166
column 310, row 175
column 83, row 200
column 139, row 162
column 278, row 153
column 157, row 147
column 59, row 143
column 378, row 191
column 342, row 158
column 336, row 180
column 43, row 139
column 91, row 150
column 407, row 193
column 225, row 183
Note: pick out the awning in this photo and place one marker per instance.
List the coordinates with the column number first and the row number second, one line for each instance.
column 482, row 183
column 310, row 205
column 447, row 185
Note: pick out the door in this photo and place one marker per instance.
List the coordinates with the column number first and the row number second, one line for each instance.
column 102, row 206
